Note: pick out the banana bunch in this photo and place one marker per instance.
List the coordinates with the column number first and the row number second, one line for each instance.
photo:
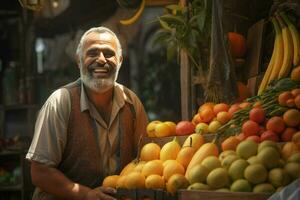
column 286, row 51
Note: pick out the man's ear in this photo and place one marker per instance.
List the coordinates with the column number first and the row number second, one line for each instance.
column 77, row 60
column 121, row 59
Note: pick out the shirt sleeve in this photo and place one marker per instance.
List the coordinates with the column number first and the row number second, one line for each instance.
column 50, row 132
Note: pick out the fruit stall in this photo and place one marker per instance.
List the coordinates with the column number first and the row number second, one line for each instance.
column 242, row 144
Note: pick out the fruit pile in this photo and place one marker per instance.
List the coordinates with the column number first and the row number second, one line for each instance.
column 251, row 167
column 196, row 165
column 273, row 115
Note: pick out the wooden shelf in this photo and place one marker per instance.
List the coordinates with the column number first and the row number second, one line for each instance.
column 10, row 188
column 18, row 107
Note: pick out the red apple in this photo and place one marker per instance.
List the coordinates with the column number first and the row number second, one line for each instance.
column 269, row 135
column 250, row 128
column 185, row 128
column 241, row 136
column 287, row 135
column 255, row 138
column 257, row 114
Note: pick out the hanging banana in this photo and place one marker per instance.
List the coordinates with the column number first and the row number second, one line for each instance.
column 270, row 67
column 136, row 16
column 287, row 49
column 279, row 46
column 295, row 38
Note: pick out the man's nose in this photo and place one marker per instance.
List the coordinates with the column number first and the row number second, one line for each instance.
column 101, row 58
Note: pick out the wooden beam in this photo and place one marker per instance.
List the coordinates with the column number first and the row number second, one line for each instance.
column 185, row 82
column 185, row 86
column 160, row 2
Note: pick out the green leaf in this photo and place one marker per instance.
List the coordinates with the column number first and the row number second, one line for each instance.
column 174, row 7
column 171, row 50
column 201, row 17
column 172, row 19
column 165, row 25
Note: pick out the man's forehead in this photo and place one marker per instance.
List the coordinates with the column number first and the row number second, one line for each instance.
column 100, row 38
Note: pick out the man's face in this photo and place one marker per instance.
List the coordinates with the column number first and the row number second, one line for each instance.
column 99, row 61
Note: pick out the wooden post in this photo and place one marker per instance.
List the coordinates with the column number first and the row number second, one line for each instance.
column 185, row 82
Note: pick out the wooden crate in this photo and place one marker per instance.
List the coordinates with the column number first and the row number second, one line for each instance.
column 163, row 140
column 143, row 194
column 196, row 195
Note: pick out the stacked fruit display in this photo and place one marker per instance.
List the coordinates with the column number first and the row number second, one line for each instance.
column 250, row 167
column 273, row 115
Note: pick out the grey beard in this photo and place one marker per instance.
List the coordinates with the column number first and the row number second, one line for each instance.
column 99, row 86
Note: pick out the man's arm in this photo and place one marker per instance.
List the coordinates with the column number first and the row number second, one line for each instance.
column 52, row 181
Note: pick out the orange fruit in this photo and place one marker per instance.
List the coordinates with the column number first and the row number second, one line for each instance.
column 223, row 117
column 297, row 101
column 150, row 151
column 155, row 181
column 295, row 92
column 134, row 180
column 243, row 91
column 139, row 166
column 197, row 119
column 129, row 167
column 153, row 167
column 233, row 108
column 295, row 74
column 230, row 143
column 290, row 103
column 151, row 128
column 162, row 130
column 172, row 126
column 176, row 182
column 220, row 107
column 244, row 104
column 185, row 155
column 284, row 97
column 296, row 139
column 171, row 169
column 207, row 114
column 165, row 163
column 291, row 117
column 121, row 182
column 206, row 105
column 110, row 181
column 275, row 124
column 289, row 149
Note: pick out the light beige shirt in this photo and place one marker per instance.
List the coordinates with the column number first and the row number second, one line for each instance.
column 50, row 133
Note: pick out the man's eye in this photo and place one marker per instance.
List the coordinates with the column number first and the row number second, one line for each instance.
column 109, row 55
column 92, row 54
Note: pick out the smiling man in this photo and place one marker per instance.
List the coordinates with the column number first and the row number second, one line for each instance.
column 88, row 129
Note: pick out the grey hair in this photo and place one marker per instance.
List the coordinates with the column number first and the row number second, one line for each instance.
column 100, row 29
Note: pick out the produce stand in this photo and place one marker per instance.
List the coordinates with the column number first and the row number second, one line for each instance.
column 195, row 195
column 233, row 147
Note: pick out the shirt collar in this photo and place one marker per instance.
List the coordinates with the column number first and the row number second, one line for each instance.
column 120, row 97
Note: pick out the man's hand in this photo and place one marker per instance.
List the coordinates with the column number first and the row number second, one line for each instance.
column 101, row 193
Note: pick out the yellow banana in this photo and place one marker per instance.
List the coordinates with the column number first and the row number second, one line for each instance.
column 279, row 53
column 266, row 77
column 287, row 49
column 135, row 17
column 295, row 38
